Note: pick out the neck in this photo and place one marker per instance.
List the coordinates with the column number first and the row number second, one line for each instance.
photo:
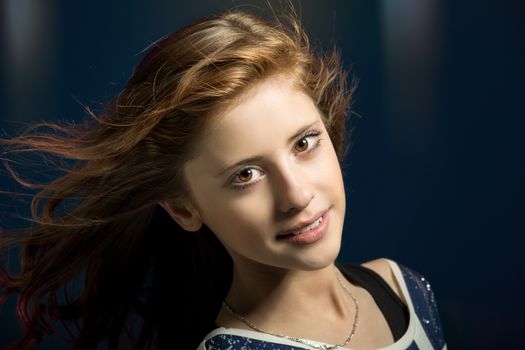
column 265, row 294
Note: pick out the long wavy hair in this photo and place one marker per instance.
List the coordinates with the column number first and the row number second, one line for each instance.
column 99, row 230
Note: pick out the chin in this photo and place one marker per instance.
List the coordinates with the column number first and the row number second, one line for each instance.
column 321, row 259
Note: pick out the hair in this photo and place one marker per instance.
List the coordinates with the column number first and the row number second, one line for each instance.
column 100, row 225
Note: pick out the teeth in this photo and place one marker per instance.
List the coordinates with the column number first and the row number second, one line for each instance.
column 311, row 226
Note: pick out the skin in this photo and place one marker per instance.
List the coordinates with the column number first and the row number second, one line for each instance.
column 279, row 286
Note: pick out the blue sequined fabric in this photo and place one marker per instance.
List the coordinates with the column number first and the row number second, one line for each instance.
column 425, row 305
column 235, row 342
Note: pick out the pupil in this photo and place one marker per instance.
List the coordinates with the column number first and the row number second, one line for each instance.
column 302, row 145
column 245, row 175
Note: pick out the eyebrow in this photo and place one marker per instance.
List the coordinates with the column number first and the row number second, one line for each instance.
column 258, row 158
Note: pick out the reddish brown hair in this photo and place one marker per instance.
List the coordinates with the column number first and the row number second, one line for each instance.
column 130, row 157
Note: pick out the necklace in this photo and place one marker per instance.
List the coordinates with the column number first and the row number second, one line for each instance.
column 299, row 340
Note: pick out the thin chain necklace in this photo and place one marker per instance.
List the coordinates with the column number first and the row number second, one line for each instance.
column 299, row 340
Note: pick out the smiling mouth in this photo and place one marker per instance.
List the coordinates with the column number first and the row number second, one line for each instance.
column 303, row 230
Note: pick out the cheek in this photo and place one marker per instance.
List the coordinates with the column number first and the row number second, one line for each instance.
column 330, row 177
column 327, row 167
column 230, row 218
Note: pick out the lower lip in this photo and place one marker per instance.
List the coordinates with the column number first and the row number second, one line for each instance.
column 309, row 236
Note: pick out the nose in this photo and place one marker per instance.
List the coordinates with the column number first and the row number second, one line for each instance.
column 292, row 192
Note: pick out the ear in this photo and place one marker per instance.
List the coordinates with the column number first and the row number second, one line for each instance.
column 186, row 215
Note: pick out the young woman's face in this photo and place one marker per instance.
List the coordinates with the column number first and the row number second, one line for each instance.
column 263, row 166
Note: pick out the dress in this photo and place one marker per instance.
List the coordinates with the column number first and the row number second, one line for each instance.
column 424, row 326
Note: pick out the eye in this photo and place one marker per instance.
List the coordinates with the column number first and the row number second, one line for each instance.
column 308, row 142
column 245, row 176
column 302, row 145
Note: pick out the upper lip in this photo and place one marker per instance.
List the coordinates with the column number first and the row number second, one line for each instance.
column 303, row 223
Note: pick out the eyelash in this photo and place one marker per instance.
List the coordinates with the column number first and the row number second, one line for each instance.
column 310, row 133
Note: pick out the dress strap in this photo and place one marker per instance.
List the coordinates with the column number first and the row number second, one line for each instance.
column 394, row 311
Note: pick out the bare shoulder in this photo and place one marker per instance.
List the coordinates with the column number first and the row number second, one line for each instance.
column 382, row 268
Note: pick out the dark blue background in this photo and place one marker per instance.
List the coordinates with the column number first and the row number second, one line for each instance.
column 435, row 177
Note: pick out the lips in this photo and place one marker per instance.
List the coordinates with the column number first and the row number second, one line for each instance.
column 304, row 225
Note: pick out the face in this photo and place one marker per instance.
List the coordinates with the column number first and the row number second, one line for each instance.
column 264, row 165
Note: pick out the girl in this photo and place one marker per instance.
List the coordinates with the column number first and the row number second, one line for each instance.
column 205, row 209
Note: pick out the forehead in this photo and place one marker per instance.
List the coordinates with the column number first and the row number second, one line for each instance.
column 271, row 110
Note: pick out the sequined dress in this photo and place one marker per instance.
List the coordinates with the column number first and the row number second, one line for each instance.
column 424, row 327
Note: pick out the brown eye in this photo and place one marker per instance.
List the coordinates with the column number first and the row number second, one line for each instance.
column 245, row 175
column 302, row 145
